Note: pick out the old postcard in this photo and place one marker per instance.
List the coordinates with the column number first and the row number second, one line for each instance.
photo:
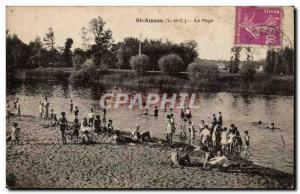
column 150, row 97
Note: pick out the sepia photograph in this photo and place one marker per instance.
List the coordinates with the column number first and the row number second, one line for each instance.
column 150, row 97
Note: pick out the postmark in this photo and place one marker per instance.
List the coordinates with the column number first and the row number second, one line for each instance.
column 258, row 26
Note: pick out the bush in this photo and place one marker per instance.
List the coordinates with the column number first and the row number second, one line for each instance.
column 87, row 73
column 247, row 72
column 140, row 63
column 198, row 71
column 170, row 64
column 77, row 61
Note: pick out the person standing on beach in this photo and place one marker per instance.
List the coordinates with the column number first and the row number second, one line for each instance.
column 204, row 136
column 46, row 105
column 182, row 114
column 91, row 116
column 18, row 108
column 76, row 112
column 214, row 121
column 97, row 124
column 169, row 129
column 110, row 128
column 41, row 109
column 247, row 144
column 192, row 132
column 63, row 124
column 220, row 119
column 184, row 127
column 71, row 106
column 224, row 138
column 15, row 103
column 188, row 113
column 156, row 111
column 76, row 128
column 14, row 134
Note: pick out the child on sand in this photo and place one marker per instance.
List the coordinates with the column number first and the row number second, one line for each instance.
column 41, row 109
column 110, row 128
column 63, row 123
column 192, row 132
column 184, row 127
column 76, row 128
column 247, row 144
column 76, row 112
column 156, row 111
column 97, row 124
column 18, row 108
column 231, row 137
column 204, row 136
column 169, row 129
column 91, row 116
column 14, row 134
column 224, row 138
column 220, row 119
column 15, row 103
column 174, row 158
column 71, row 106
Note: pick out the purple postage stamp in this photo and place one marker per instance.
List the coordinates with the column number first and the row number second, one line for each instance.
column 258, row 26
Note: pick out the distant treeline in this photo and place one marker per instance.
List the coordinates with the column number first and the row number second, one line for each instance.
column 100, row 50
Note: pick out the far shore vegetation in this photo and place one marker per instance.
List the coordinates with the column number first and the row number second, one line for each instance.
column 146, row 63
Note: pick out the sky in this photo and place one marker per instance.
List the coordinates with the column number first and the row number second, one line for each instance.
column 213, row 31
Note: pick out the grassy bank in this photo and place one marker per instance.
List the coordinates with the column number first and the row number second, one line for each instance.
column 262, row 84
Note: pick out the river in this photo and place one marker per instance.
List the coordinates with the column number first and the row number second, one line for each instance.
column 266, row 146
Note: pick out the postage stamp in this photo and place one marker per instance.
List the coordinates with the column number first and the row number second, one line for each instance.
column 258, row 26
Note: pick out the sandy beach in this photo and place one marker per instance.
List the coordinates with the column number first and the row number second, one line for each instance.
column 40, row 160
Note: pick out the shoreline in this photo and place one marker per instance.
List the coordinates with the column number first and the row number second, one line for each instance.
column 262, row 84
column 41, row 161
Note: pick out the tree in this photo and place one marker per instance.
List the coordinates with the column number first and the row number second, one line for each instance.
column 140, row 63
column 38, row 55
column 67, row 53
column 280, row 61
column 103, row 39
column 49, row 39
column 170, row 64
column 235, row 59
column 17, row 52
column 85, row 38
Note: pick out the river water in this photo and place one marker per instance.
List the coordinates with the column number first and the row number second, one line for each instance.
column 266, row 147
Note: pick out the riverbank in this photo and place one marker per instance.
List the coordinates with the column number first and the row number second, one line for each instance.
column 40, row 160
column 262, row 84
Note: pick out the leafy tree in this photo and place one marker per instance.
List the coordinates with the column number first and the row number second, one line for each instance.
column 49, row 39
column 103, row 39
column 170, row 64
column 67, row 53
column 140, row 63
column 235, row 61
column 17, row 52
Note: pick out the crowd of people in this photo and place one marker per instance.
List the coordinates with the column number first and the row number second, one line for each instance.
column 215, row 139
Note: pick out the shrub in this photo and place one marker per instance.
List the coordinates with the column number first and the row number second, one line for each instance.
column 247, row 72
column 198, row 71
column 77, row 61
column 87, row 73
column 170, row 64
column 140, row 63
